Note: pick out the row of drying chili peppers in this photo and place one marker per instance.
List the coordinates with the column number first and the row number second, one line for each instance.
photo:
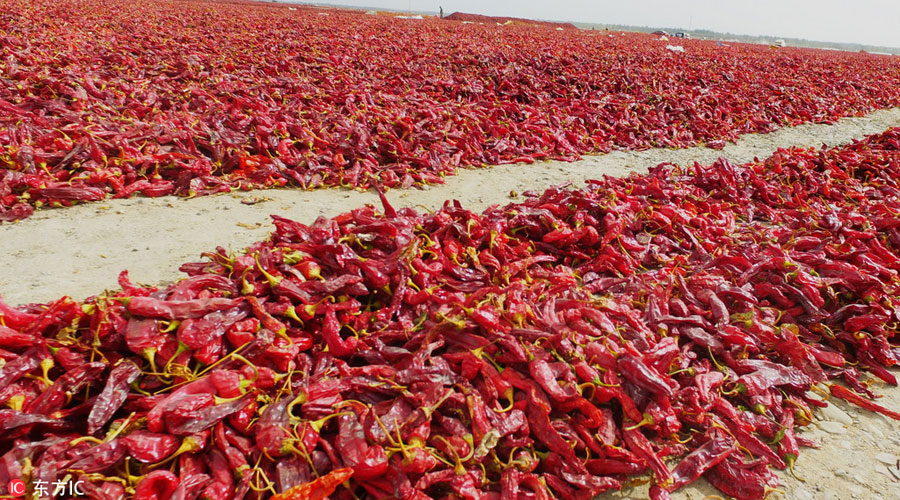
column 478, row 18
column 115, row 98
column 670, row 324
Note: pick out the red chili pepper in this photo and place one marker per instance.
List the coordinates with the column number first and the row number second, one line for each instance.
column 54, row 398
column 644, row 377
column 847, row 395
column 542, row 373
column 97, row 458
column 719, row 311
column 150, row 447
column 271, row 431
column 12, row 419
column 366, row 461
column 13, row 370
column 701, row 460
column 608, row 466
column 530, row 346
column 190, row 418
column 13, row 318
column 337, row 346
column 105, row 491
column 227, row 383
column 744, row 435
column 176, row 309
column 202, row 386
column 640, row 445
column 114, row 393
column 318, row 489
column 12, row 339
column 539, row 421
column 742, row 482
column 157, row 485
column 243, row 419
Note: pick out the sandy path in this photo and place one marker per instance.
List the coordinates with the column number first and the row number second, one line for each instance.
column 79, row 251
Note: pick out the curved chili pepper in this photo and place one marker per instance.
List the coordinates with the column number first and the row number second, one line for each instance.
column 150, row 447
column 542, row 373
column 331, row 334
column 318, row 489
column 634, row 370
column 701, row 460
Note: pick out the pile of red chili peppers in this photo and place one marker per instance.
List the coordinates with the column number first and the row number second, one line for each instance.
column 670, row 324
column 155, row 97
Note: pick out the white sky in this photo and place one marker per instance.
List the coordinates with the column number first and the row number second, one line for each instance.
column 872, row 22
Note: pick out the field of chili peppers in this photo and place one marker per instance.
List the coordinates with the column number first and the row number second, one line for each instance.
column 117, row 98
column 676, row 324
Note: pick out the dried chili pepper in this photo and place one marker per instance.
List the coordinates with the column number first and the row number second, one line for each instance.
column 319, row 489
column 113, row 395
column 847, row 395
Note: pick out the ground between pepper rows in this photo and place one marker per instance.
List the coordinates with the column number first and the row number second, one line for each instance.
column 671, row 325
column 153, row 97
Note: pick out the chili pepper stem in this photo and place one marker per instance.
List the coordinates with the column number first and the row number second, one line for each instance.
column 46, row 365
column 429, row 410
column 273, row 280
column 646, row 420
column 790, row 459
column 97, row 477
column 826, row 395
column 85, row 439
column 246, row 287
column 302, row 452
column 510, row 398
column 208, row 368
column 291, row 313
column 114, row 434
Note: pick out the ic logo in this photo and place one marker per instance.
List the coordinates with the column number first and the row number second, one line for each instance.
column 16, row 488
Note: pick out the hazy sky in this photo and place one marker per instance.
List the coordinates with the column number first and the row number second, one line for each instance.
column 873, row 22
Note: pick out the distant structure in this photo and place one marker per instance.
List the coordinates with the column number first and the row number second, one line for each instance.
column 442, row 12
column 755, row 39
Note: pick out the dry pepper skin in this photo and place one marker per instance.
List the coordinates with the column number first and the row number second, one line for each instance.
column 503, row 354
column 113, row 395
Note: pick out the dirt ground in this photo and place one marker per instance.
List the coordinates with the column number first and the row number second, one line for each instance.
column 79, row 251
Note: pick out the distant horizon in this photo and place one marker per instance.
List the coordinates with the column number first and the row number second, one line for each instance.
column 869, row 23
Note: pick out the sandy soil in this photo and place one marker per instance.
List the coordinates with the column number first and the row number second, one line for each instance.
column 79, row 251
